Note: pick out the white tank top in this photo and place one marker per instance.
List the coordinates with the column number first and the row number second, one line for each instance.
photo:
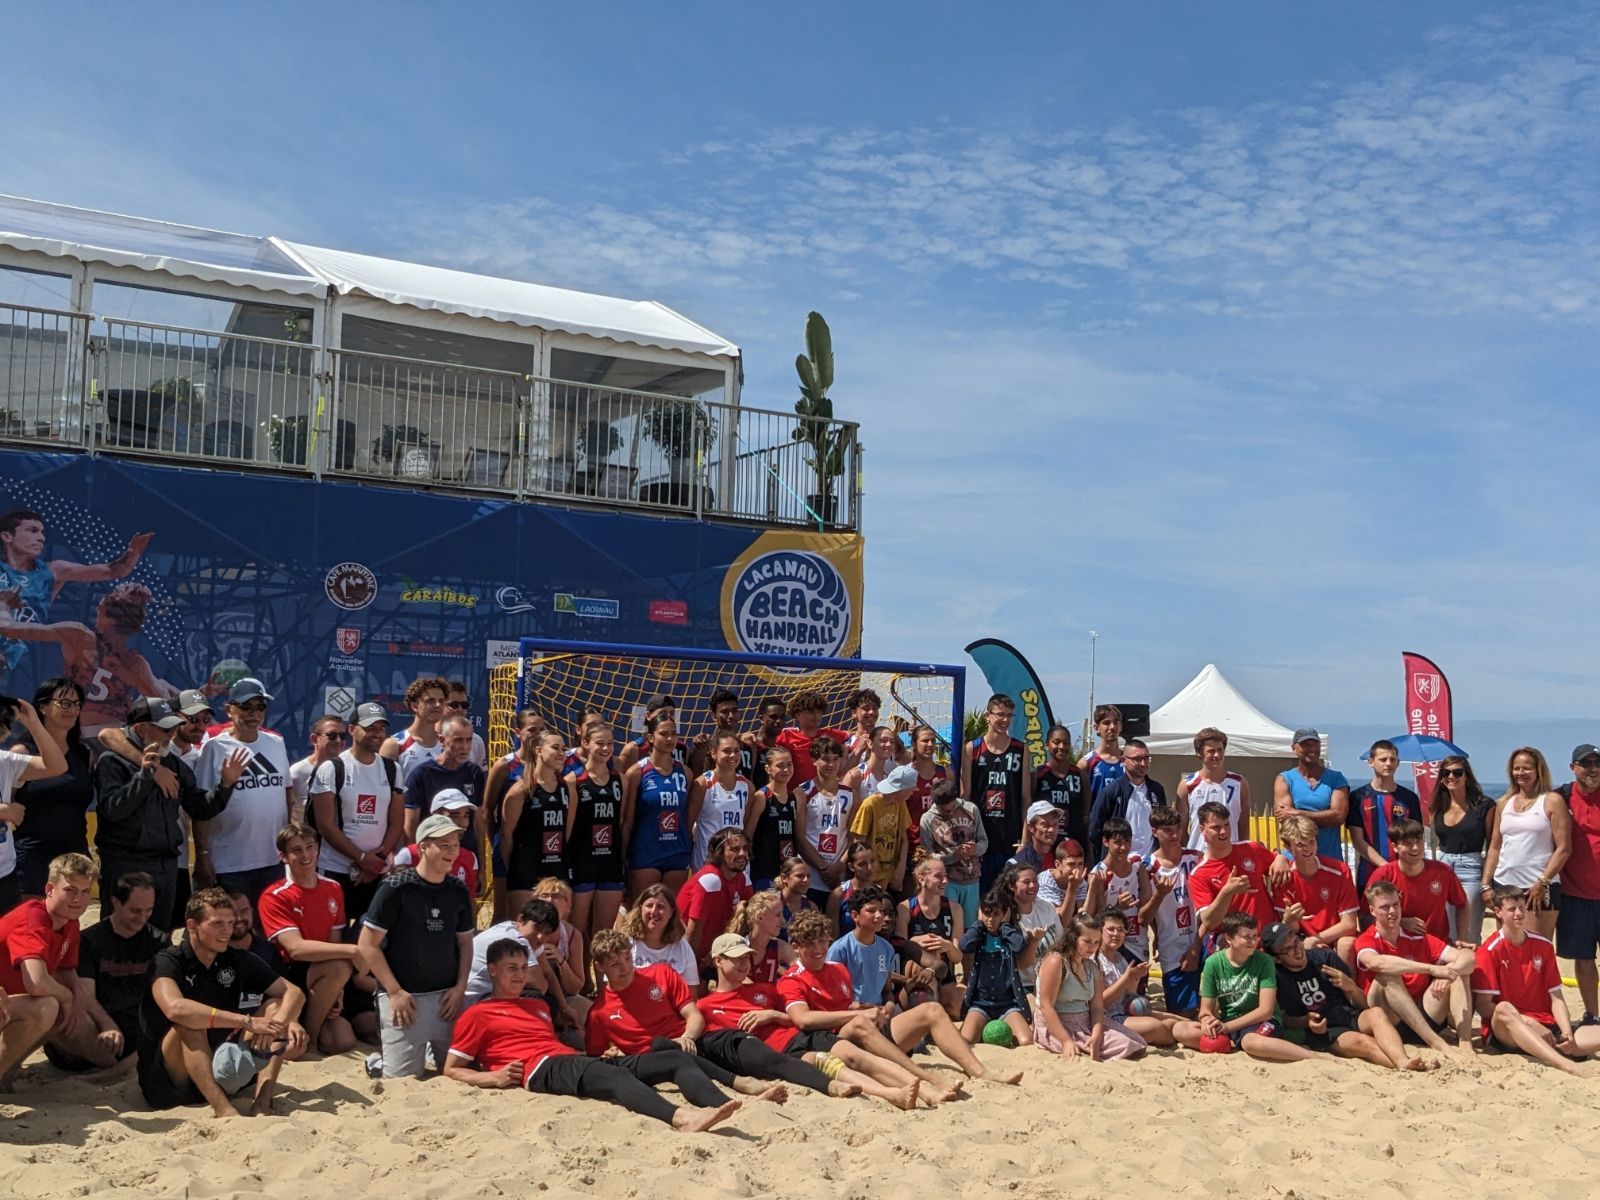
column 722, row 808
column 1526, row 844
column 825, row 824
column 1205, row 791
column 1175, row 921
column 1137, row 942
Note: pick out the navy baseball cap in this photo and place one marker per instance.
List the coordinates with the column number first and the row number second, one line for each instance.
column 246, row 690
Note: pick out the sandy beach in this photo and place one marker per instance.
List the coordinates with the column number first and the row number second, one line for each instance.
column 1176, row 1124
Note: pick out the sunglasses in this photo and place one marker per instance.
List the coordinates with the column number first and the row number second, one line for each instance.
column 462, row 704
column 1453, row 772
column 1589, row 764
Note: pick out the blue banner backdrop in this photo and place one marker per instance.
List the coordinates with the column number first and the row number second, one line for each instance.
column 335, row 592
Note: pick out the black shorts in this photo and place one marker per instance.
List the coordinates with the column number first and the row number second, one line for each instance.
column 1578, row 929
column 819, row 1040
column 157, row 1087
column 1325, row 1041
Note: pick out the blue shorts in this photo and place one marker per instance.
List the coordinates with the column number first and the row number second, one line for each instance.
column 965, row 897
column 678, row 860
column 1578, row 928
column 1181, row 989
column 596, row 887
column 1265, row 1029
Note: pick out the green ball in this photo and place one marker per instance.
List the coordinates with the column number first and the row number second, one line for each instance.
column 228, row 672
column 998, row 1033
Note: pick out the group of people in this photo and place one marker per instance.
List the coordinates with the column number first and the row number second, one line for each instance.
column 749, row 910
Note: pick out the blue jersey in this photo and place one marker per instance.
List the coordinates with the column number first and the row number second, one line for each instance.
column 660, row 819
column 35, row 591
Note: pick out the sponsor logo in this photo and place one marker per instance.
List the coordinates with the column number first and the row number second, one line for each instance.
column 1427, row 686
column 413, row 594
column 552, row 843
column 669, row 612
column 589, row 607
column 367, row 806
column 340, row 701
column 259, row 773
column 347, row 639
column 602, row 835
column 511, row 600
column 669, row 822
column 225, row 976
column 429, row 649
column 351, row 586
column 655, row 992
column 500, row 651
column 791, row 602
column 827, row 843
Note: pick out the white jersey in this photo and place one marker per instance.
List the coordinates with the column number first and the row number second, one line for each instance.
column 826, row 814
column 1138, row 944
column 411, row 752
column 722, row 808
column 244, row 836
column 1175, row 917
column 1205, row 791
column 300, row 774
column 678, row 955
column 361, row 808
column 12, row 766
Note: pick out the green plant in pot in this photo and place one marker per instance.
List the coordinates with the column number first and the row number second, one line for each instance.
column 828, row 443
column 683, row 432
column 287, row 436
column 408, row 449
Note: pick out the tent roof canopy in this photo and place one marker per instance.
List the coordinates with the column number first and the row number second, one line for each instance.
column 1209, row 699
column 272, row 264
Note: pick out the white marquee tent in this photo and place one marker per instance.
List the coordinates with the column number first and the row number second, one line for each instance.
column 1258, row 747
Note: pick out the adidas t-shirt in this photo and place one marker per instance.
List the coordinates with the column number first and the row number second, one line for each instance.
column 243, row 837
column 362, row 806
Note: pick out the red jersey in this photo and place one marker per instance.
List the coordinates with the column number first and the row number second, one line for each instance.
column 494, row 1032
column 828, row 990
column 1422, row 948
column 314, row 912
column 649, row 1007
column 1250, row 859
column 919, row 801
column 709, row 897
column 465, row 867
column 1525, row 975
column 1426, row 895
column 799, row 746
column 1580, row 876
column 722, row 1010
column 27, row 932
column 1326, row 896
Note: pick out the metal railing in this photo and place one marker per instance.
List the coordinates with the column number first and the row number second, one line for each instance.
column 42, row 374
column 222, row 397
column 134, row 387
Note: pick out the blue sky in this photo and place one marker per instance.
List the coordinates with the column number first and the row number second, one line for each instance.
column 1263, row 335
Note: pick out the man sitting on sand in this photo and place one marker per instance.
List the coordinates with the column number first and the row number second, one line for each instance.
column 509, row 1041
column 1238, row 992
column 819, row 996
column 216, row 1018
column 1518, row 991
column 1420, row 980
column 1322, row 1007
column 39, row 968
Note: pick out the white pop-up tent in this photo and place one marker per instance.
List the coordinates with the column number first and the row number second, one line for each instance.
column 1258, row 747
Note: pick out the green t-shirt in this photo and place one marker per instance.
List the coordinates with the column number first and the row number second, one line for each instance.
column 1237, row 990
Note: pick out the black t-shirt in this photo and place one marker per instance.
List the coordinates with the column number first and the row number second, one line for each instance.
column 420, row 922
column 120, row 967
column 997, row 791
column 236, row 981
column 1066, row 793
column 1308, row 990
column 56, row 822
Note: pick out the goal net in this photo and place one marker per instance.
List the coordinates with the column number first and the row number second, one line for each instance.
column 560, row 679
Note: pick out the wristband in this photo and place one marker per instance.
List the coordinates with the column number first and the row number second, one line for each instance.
column 212, row 1023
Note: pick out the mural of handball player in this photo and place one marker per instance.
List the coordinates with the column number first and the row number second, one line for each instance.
column 112, row 673
column 29, row 587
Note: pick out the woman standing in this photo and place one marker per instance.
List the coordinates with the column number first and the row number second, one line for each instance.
column 57, row 806
column 526, row 725
column 924, row 744
column 657, row 789
column 719, row 798
column 597, row 824
column 1463, row 823
column 533, row 820
column 769, row 820
column 1531, row 839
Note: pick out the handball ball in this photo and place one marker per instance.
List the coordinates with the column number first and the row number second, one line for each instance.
column 998, row 1033
column 228, row 672
column 1219, row 1043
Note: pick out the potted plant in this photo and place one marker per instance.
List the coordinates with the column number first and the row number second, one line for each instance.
column 409, row 451
column 826, row 441
column 681, row 429
column 287, row 438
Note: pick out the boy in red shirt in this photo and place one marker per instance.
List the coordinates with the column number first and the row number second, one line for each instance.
column 649, row 1008
column 513, row 1043
column 1420, row 980
column 708, row 897
column 1231, row 875
column 1428, row 887
column 39, row 973
column 1517, row 989
column 1318, row 897
column 806, row 708
column 303, row 916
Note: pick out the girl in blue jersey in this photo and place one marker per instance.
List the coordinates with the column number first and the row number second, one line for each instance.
column 656, row 788
column 533, row 821
column 597, row 829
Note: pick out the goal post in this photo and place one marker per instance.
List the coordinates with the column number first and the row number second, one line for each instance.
column 559, row 678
